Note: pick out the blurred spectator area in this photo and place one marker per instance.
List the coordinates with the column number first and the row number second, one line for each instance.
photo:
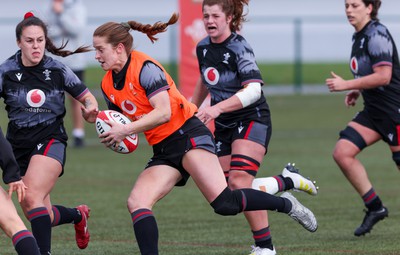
column 278, row 39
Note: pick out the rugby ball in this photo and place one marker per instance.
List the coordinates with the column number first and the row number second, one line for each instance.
column 130, row 143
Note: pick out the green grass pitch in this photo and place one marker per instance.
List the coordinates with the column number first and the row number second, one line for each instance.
column 305, row 129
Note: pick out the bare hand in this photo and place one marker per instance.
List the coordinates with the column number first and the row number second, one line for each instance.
column 115, row 135
column 89, row 111
column 351, row 98
column 336, row 83
column 207, row 114
column 19, row 187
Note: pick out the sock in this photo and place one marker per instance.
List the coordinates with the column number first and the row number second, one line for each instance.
column 232, row 202
column 78, row 132
column 63, row 215
column 372, row 200
column 146, row 231
column 271, row 185
column 288, row 182
column 24, row 243
column 41, row 228
column 252, row 199
column 262, row 238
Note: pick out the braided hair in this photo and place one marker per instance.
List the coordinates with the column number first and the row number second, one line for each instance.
column 116, row 33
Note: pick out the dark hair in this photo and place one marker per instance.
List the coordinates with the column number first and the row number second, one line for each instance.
column 116, row 33
column 232, row 8
column 376, row 4
column 31, row 20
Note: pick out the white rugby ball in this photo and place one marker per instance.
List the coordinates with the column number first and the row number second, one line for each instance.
column 130, row 143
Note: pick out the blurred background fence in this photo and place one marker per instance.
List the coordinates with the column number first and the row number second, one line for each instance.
column 288, row 33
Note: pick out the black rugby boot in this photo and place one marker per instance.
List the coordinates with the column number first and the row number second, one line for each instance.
column 370, row 219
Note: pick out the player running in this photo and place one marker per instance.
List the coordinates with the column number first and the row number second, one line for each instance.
column 138, row 86
column 33, row 86
column 374, row 63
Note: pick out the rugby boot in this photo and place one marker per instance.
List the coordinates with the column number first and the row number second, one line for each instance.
column 301, row 214
column 300, row 183
column 262, row 251
column 82, row 234
column 370, row 219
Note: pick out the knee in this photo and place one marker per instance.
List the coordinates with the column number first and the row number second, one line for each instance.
column 344, row 150
column 30, row 202
column 243, row 169
column 337, row 154
column 228, row 202
column 135, row 202
column 11, row 223
column 131, row 204
column 239, row 180
column 243, row 165
column 352, row 135
column 343, row 156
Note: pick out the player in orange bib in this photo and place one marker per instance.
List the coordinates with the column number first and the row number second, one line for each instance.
column 138, row 86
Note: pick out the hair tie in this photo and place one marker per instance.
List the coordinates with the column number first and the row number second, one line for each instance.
column 28, row 15
column 125, row 25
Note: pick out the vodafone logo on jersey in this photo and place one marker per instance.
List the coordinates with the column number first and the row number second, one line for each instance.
column 35, row 98
column 128, row 107
column 354, row 65
column 211, row 75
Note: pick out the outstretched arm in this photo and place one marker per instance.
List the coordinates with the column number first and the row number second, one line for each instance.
column 380, row 77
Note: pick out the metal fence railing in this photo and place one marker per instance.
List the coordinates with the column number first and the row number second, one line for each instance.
column 278, row 39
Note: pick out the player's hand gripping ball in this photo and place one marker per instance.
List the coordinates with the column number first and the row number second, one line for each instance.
column 130, row 143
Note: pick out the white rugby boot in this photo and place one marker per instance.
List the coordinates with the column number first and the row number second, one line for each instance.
column 262, row 251
column 300, row 183
column 301, row 214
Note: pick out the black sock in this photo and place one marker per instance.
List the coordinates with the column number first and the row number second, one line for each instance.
column 285, row 183
column 288, row 183
column 372, row 200
column 232, row 202
column 262, row 238
column 146, row 231
column 258, row 200
column 41, row 228
column 24, row 243
column 63, row 215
